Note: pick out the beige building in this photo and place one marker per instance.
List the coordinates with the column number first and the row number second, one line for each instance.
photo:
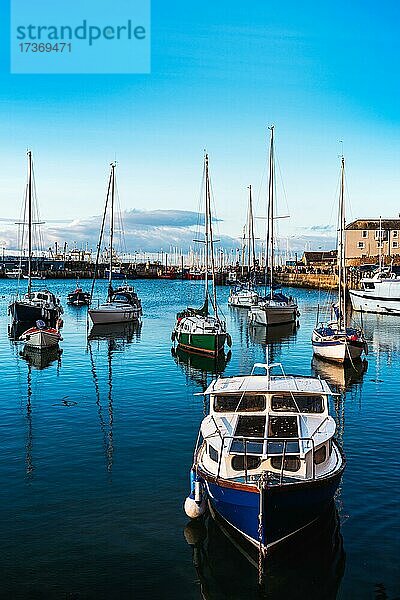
column 365, row 240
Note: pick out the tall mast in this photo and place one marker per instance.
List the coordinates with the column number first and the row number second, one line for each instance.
column 342, row 254
column 251, row 247
column 29, row 223
column 206, row 225
column 380, row 244
column 111, row 227
column 210, row 243
column 271, row 199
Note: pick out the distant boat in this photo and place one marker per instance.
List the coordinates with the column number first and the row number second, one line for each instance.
column 42, row 304
column 334, row 340
column 41, row 337
column 78, row 297
column 15, row 273
column 380, row 293
column 37, row 277
column 117, row 273
column 196, row 330
column 276, row 308
column 245, row 295
column 122, row 305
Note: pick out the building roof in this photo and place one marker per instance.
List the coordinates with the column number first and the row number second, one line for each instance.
column 374, row 224
column 320, row 255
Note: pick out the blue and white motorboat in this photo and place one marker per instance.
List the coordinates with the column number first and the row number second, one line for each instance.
column 266, row 460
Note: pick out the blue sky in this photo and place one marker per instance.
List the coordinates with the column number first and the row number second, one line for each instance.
column 221, row 73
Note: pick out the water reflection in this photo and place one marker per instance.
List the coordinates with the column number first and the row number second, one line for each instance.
column 115, row 336
column 41, row 359
column 273, row 339
column 311, row 566
column 340, row 377
column 125, row 332
column 200, row 369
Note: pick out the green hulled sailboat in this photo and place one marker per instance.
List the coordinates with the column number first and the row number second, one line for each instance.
column 202, row 330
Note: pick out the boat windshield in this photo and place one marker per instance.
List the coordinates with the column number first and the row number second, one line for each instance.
column 240, row 403
column 303, row 403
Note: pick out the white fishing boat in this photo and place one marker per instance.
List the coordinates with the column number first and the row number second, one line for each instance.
column 335, row 340
column 122, row 305
column 266, row 460
column 244, row 294
column 275, row 308
column 41, row 337
column 378, row 294
column 15, row 273
column 197, row 330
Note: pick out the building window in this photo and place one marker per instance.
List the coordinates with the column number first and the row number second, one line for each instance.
column 395, row 245
column 365, row 234
column 361, row 245
column 395, row 234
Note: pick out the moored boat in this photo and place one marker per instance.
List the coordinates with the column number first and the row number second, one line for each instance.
column 266, row 459
column 335, row 341
column 197, row 330
column 35, row 305
column 276, row 308
column 122, row 305
column 78, row 297
column 41, row 337
column 378, row 294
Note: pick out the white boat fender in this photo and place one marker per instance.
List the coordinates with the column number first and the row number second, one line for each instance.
column 195, row 504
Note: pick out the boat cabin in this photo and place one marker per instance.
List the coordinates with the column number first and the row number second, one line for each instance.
column 42, row 297
column 265, row 423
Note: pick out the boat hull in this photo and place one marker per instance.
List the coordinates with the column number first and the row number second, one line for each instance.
column 23, row 312
column 362, row 301
column 286, row 509
column 103, row 315
column 243, row 300
column 40, row 339
column 336, row 351
column 202, row 343
column 273, row 315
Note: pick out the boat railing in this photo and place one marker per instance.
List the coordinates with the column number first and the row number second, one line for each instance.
column 266, row 454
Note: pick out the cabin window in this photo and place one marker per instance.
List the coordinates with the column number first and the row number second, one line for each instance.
column 368, row 285
column 361, row 245
column 239, row 462
column 283, row 427
column 213, row 454
column 306, row 403
column 242, row 403
column 250, row 427
column 365, row 233
column 320, row 455
column 292, row 463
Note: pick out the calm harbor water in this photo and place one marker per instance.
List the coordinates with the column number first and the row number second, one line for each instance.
column 96, row 449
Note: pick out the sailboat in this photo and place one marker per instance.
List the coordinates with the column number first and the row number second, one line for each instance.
column 122, row 305
column 244, row 294
column 276, row 308
column 35, row 305
column 196, row 330
column 334, row 340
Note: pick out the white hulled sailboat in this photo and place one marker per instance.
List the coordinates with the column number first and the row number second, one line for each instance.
column 335, row 341
column 276, row 308
column 122, row 305
column 244, row 294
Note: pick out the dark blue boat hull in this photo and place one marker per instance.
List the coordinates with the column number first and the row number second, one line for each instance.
column 25, row 313
column 286, row 509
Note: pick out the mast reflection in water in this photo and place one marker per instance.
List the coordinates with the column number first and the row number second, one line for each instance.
column 310, row 566
column 116, row 336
